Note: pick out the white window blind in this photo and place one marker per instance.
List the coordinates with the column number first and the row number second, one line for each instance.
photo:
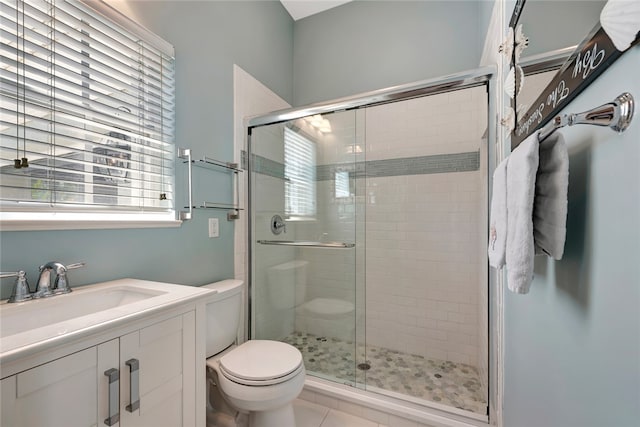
column 300, row 172
column 87, row 112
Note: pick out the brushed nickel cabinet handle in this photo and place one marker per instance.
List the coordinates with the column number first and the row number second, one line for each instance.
column 114, row 396
column 134, row 384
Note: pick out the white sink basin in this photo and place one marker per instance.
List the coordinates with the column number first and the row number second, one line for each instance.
column 36, row 325
column 18, row 318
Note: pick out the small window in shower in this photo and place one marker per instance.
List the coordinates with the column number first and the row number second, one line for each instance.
column 300, row 175
column 342, row 184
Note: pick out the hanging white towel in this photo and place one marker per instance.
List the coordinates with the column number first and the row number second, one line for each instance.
column 550, row 204
column 521, row 182
column 498, row 221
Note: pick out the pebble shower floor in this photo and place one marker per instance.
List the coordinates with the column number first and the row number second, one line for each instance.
column 448, row 383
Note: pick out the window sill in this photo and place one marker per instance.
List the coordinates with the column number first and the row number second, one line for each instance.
column 83, row 222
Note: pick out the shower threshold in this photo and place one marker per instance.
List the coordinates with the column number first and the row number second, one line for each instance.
column 382, row 370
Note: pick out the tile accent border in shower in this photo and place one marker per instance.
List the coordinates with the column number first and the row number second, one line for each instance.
column 265, row 166
column 420, row 165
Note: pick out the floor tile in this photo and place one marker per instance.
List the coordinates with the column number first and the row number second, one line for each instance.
column 453, row 384
column 308, row 414
column 341, row 419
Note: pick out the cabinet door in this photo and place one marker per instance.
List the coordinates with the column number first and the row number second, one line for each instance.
column 165, row 355
column 61, row 393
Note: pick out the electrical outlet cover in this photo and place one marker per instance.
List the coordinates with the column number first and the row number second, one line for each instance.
column 214, row 231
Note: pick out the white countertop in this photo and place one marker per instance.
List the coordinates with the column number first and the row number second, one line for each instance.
column 37, row 325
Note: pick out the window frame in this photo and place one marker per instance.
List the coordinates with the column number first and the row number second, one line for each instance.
column 24, row 216
column 311, row 182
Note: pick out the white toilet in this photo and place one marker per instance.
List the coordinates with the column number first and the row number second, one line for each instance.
column 258, row 377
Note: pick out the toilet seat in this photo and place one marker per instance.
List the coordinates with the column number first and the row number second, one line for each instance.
column 261, row 363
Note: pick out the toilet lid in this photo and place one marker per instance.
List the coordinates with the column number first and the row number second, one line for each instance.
column 261, row 360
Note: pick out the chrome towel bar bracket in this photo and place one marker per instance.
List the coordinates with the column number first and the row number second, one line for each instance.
column 616, row 114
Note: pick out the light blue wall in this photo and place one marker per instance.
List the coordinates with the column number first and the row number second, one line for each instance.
column 552, row 25
column 368, row 45
column 572, row 350
column 209, row 37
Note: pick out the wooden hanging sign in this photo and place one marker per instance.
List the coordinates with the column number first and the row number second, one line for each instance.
column 594, row 55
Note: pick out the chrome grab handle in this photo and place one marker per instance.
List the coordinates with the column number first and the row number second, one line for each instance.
column 134, row 384
column 114, row 396
column 333, row 245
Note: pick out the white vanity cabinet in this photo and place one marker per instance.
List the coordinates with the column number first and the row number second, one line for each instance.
column 145, row 372
column 75, row 390
column 166, row 358
column 63, row 392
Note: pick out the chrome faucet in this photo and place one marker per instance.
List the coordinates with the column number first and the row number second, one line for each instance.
column 60, row 286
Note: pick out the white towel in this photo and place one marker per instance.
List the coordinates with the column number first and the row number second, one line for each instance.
column 550, row 204
column 498, row 224
column 521, row 182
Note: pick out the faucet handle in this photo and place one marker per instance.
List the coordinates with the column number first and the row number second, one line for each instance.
column 278, row 225
column 21, row 291
column 75, row 265
column 61, row 285
column 13, row 274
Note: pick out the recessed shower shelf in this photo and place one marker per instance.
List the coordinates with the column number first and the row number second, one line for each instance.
column 209, row 163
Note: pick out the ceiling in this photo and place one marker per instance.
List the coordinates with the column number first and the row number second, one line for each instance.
column 299, row 9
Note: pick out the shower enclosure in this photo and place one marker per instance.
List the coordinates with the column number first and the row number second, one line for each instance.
column 367, row 241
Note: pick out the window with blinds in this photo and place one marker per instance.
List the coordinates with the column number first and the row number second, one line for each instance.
column 300, row 174
column 87, row 112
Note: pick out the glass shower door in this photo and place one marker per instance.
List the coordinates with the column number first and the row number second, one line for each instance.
column 368, row 247
column 306, row 283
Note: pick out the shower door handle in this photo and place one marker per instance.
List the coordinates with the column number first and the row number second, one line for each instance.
column 332, row 245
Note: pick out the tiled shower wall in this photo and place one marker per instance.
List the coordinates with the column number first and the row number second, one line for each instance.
column 419, row 205
column 417, row 212
column 423, row 228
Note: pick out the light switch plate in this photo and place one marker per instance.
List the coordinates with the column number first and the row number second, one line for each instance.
column 214, row 230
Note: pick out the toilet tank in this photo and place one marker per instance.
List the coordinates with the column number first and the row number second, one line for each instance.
column 223, row 315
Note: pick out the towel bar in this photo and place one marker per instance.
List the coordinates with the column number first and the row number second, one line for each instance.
column 616, row 114
column 335, row 245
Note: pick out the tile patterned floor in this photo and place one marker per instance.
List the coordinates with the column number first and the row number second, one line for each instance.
column 307, row 414
column 448, row 383
column 312, row 415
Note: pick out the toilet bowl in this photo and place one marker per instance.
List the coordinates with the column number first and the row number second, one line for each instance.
column 258, row 377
